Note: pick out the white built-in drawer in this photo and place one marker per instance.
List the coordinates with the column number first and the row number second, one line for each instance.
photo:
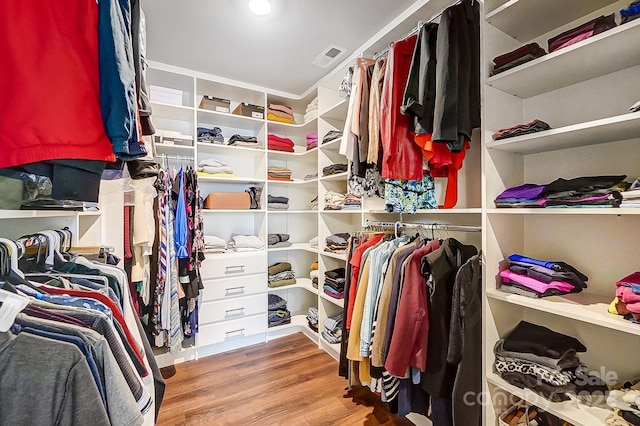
column 233, row 287
column 233, row 264
column 234, row 329
column 239, row 307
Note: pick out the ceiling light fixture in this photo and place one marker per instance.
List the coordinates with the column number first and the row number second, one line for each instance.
column 260, row 7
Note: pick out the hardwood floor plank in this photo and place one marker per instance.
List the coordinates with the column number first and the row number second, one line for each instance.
column 287, row 381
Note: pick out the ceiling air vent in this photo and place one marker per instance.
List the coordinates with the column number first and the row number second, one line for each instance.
column 328, row 56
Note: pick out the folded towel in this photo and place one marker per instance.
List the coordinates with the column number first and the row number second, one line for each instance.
column 247, row 241
column 275, row 146
column 213, row 241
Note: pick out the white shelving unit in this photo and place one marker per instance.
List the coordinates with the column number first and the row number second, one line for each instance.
column 599, row 137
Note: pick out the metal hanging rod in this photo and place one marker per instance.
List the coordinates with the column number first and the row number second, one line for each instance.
column 384, row 51
column 425, row 226
column 175, row 157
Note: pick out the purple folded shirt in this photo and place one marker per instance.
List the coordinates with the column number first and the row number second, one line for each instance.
column 528, row 190
column 533, row 284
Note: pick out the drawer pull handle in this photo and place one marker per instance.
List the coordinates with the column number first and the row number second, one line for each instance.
column 237, row 311
column 239, row 332
column 235, row 269
column 235, row 290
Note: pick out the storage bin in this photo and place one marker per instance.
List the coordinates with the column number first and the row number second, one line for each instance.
column 215, row 104
column 248, row 110
column 165, row 95
column 228, row 201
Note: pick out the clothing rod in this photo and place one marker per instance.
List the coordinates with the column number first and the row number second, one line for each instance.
column 426, row 226
column 417, row 28
column 175, row 157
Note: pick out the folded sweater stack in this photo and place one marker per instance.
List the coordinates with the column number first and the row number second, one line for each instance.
column 333, row 200
column 244, row 141
column 334, row 169
column 332, row 332
column 214, row 168
column 312, row 318
column 281, row 274
column 582, row 32
column 521, row 129
column 279, row 173
column 336, row 243
column 278, row 312
column 540, row 278
column 277, row 143
column 352, row 202
column 331, row 135
column 280, row 113
column 246, row 243
column 210, row 135
column 312, row 110
column 334, row 282
column 278, row 240
column 277, row 203
column 516, row 57
column 312, row 141
column 627, row 300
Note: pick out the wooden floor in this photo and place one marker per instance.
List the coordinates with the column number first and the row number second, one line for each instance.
column 287, row 381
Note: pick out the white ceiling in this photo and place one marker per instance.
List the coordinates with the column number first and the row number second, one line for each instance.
column 222, row 37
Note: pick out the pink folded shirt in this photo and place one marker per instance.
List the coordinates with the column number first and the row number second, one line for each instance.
column 281, row 108
column 626, row 295
column 535, row 285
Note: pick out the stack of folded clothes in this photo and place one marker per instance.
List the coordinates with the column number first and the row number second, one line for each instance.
column 352, row 202
column 278, row 240
column 588, row 191
column 277, row 203
column 246, row 243
column 336, row 243
column 631, row 197
column 631, row 12
column 312, row 318
column 334, row 281
column 312, row 110
column 278, row 312
column 311, row 176
column 314, row 275
column 627, row 300
column 333, row 200
column 516, row 57
column 312, row 141
column 334, row 169
column 280, row 113
column 214, row 168
column 582, row 32
column 331, row 135
column 542, row 360
column 214, row 244
column 521, row 129
column 314, row 203
column 277, row 143
column 210, row 135
column 244, row 141
column 332, row 332
column 281, row 274
column 279, row 173
column 540, row 278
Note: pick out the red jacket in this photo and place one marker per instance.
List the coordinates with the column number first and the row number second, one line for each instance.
column 50, row 102
column 402, row 158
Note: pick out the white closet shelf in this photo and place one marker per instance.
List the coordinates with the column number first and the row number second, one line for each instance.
column 295, row 246
column 292, row 211
column 337, row 111
column 585, row 307
column 337, row 176
column 565, row 211
column 525, row 20
column 292, row 182
column 163, row 148
column 570, row 411
column 339, row 256
column 224, row 119
column 238, row 179
column 275, row 126
column 304, row 283
column 590, row 58
column 212, row 211
column 227, row 149
column 610, row 129
column 27, row 214
column 299, row 152
column 174, row 112
column 472, row 210
column 337, row 302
